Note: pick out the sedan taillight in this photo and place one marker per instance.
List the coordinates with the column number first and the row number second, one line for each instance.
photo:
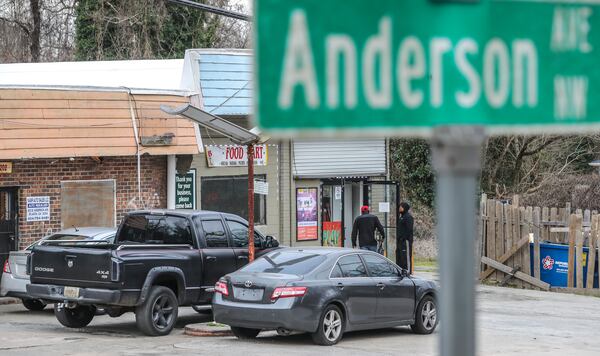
column 221, row 287
column 6, row 268
column 288, row 292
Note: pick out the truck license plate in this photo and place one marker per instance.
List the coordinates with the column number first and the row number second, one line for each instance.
column 71, row 292
column 248, row 294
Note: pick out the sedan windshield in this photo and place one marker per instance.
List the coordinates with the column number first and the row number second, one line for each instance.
column 286, row 262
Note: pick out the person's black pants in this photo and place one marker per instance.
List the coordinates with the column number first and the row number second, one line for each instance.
column 404, row 250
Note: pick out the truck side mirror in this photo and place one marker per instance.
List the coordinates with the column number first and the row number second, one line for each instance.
column 271, row 241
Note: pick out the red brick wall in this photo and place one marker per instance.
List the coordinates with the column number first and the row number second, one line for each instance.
column 42, row 177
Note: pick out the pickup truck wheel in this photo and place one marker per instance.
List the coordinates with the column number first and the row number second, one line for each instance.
column 33, row 304
column 77, row 317
column 158, row 314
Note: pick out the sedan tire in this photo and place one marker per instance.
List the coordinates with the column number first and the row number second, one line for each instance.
column 77, row 317
column 426, row 317
column 33, row 304
column 331, row 327
column 158, row 314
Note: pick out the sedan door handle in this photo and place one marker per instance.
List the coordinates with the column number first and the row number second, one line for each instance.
column 381, row 285
column 242, row 257
column 211, row 258
column 340, row 286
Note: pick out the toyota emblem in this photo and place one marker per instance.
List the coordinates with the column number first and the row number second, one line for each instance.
column 248, row 284
column 70, row 263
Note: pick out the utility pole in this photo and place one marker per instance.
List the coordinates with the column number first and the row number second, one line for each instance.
column 250, row 202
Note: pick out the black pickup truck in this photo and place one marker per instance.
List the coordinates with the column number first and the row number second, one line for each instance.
column 160, row 260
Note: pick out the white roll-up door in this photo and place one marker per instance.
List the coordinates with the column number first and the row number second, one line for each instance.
column 339, row 158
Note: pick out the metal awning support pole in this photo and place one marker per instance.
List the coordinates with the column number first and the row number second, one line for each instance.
column 456, row 153
column 250, row 202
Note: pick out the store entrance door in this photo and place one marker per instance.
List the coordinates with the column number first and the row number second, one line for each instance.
column 8, row 223
column 384, row 198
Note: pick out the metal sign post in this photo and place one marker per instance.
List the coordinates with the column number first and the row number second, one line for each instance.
column 456, row 154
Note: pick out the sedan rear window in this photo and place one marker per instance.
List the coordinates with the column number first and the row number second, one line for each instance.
column 290, row 262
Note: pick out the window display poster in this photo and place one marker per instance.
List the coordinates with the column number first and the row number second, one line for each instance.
column 306, row 214
column 332, row 232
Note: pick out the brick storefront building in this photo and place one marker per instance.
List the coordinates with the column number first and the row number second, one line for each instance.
column 43, row 177
column 71, row 157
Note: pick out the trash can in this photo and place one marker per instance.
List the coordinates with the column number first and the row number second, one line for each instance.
column 554, row 264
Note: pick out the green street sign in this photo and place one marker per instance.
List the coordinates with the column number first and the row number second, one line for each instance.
column 409, row 65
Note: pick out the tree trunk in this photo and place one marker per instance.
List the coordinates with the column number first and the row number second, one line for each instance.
column 34, row 47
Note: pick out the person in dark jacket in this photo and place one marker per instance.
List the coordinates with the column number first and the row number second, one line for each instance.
column 364, row 228
column 404, row 238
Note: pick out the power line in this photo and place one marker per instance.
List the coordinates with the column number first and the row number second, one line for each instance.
column 213, row 9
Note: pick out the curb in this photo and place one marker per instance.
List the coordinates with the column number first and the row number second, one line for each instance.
column 8, row 300
column 204, row 329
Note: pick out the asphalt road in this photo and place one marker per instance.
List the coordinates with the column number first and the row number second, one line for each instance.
column 510, row 322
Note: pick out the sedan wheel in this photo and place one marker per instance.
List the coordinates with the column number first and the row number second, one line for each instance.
column 426, row 316
column 429, row 315
column 331, row 327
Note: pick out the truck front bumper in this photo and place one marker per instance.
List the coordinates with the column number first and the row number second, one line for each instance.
column 86, row 295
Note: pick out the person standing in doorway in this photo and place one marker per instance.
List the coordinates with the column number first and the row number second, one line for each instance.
column 404, row 238
column 364, row 228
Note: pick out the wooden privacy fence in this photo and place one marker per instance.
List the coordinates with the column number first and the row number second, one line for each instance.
column 505, row 234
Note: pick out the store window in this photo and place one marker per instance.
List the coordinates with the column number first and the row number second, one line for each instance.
column 230, row 195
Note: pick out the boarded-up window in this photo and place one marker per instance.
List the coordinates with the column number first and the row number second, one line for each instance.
column 88, row 203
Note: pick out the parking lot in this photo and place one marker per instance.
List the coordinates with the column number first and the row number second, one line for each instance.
column 510, row 322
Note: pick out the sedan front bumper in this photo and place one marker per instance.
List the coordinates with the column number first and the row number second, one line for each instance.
column 285, row 313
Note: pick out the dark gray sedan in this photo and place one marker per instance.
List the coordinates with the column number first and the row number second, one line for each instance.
column 323, row 291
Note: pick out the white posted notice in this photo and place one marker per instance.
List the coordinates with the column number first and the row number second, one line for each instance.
column 38, row 208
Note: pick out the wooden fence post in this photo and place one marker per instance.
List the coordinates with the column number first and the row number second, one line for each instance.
column 579, row 252
column 491, row 229
column 572, row 236
column 525, row 252
column 592, row 252
column 536, row 242
column 499, row 236
column 554, row 217
column 482, row 231
column 508, row 229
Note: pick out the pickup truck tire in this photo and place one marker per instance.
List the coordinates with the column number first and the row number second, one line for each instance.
column 158, row 314
column 77, row 317
column 244, row 333
column 33, row 304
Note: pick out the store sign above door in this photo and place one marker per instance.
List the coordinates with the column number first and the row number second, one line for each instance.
column 234, row 156
column 511, row 65
column 5, row 167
